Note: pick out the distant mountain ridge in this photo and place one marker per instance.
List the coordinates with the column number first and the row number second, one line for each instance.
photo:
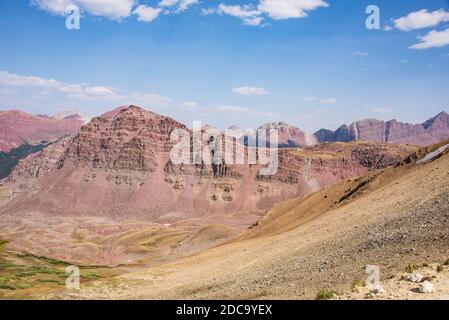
column 18, row 127
column 429, row 132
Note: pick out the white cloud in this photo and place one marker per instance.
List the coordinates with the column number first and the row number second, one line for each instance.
column 309, row 99
column 189, row 104
column 208, row 11
column 14, row 80
column 382, row 110
column 146, row 13
column 323, row 101
column 240, row 110
column 77, row 92
column 112, row 9
column 275, row 9
column 116, row 9
column 253, row 21
column 360, row 54
column 421, row 19
column 99, row 91
column 434, row 39
column 329, row 101
column 250, row 91
column 248, row 13
column 178, row 5
column 168, row 3
column 287, row 9
column 185, row 4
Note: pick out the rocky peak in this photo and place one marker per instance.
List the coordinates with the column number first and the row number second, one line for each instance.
column 441, row 118
column 288, row 135
column 131, row 139
column 69, row 115
column 277, row 125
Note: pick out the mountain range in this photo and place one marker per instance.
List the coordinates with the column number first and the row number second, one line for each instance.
column 112, row 165
column 110, row 198
column 18, row 127
column 431, row 131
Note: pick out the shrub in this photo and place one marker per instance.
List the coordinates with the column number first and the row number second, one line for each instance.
column 325, row 294
column 357, row 284
column 411, row 267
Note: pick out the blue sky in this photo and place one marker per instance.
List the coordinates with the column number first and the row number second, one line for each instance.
column 311, row 63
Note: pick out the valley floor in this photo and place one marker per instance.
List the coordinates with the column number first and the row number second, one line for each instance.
column 392, row 219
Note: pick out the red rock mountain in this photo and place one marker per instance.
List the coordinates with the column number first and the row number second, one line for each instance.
column 432, row 131
column 288, row 136
column 17, row 127
column 120, row 166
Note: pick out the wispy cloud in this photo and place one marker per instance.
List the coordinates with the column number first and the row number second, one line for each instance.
column 361, row 54
column 112, row 9
column 382, row 110
column 322, row 100
column 329, row 101
column 248, row 13
column 243, row 110
column 250, row 91
column 178, row 5
column 79, row 92
column 116, row 9
column 309, row 99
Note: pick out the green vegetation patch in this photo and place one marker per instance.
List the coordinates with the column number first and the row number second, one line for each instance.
column 25, row 275
column 2, row 244
column 411, row 268
column 326, row 294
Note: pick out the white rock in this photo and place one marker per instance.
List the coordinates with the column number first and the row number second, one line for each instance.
column 378, row 289
column 426, row 287
column 416, row 278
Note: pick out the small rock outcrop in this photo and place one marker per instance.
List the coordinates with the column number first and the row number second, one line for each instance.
column 426, row 287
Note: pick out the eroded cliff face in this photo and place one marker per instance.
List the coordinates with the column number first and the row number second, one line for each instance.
column 120, row 166
column 432, row 131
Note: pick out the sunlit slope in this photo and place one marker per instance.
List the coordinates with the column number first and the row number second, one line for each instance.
column 389, row 219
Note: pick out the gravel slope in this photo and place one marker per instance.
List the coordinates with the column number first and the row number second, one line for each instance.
column 391, row 219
